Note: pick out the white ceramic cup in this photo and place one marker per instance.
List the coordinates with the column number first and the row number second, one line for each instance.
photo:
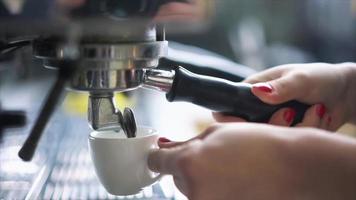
column 120, row 162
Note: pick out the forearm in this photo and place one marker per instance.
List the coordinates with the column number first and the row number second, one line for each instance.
column 350, row 72
column 330, row 159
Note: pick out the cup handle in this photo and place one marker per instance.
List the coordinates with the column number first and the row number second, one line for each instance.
column 152, row 180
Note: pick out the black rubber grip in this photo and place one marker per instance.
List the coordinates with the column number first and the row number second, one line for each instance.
column 232, row 98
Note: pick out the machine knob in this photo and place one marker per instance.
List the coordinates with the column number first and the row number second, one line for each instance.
column 11, row 119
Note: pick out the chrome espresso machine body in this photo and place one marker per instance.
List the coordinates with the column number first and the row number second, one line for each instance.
column 108, row 46
column 95, row 46
column 100, row 47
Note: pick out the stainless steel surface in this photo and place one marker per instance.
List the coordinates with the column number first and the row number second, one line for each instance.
column 61, row 168
column 100, row 51
column 112, row 48
column 158, row 79
column 19, row 179
column 112, row 43
column 73, row 175
column 105, row 67
column 104, row 79
column 102, row 113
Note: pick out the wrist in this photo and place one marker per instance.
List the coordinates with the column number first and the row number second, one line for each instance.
column 349, row 70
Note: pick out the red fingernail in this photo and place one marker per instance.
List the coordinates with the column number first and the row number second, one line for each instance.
column 164, row 140
column 263, row 87
column 289, row 115
column 320, row 110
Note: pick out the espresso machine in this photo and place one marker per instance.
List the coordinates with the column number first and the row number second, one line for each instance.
column 102, row 47
column 114, row 46
column 107, row 46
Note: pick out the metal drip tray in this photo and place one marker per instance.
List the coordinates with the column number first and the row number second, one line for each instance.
column 61, row 168
column 73, row 176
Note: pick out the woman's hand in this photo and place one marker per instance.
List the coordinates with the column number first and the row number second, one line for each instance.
column 329, row 88
column 255, row 161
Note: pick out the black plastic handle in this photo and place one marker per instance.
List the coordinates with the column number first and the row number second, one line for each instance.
column 233, row 98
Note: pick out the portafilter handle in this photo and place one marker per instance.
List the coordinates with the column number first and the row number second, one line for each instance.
column 220, row 95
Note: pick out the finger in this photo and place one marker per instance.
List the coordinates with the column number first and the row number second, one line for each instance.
column 324, row 122
column 281, row 90
column 163, row 160
column 313, row 116
column 175, row 160
column 222, row 118
column 209, row 130
column 205, row 133
column 283, row 117
column 329, row 121
column 266, row 75
column 166, row 143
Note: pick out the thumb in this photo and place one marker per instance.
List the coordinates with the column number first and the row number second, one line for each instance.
column 163, row 160
column 280, row 90
column 172, row 160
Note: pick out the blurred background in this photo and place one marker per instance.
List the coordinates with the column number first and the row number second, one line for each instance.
column 267, row 33
column 263, row 34
column 258, row 34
